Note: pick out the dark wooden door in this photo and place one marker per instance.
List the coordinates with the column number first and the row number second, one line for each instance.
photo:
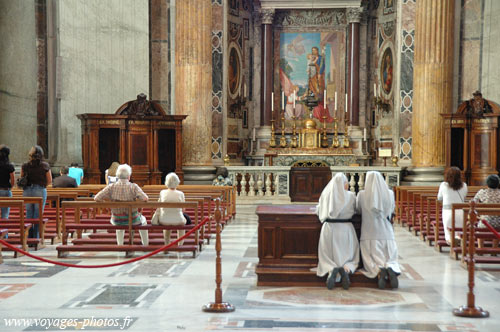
column 307, row 183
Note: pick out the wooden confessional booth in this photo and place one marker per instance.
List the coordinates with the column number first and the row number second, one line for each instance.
column 140, row 134
column 472, row 138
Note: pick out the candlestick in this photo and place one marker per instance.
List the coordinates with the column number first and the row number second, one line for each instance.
column 272, row 101
column 282, row 100
column 346, row 102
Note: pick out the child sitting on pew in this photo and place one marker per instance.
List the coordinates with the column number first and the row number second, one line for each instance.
column 124, row 191
column 171, row 216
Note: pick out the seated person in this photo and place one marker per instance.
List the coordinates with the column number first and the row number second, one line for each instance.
column 171, row 216
column 338, row 247
column 64, row 181
column 76, row 173
column 222, row 177
column 124, row 191
column 110, row 174
column 490, row 195
column 379, row 250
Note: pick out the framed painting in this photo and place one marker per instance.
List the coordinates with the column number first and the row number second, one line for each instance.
column 234, row 71
column 386, row 67
column 312, row 62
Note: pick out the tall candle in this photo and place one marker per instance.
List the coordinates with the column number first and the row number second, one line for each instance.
column 375, row 90
column 294, row 97
column 253, row 135
column 335, row 100
column 346, row 102
column 364, row 134
column 272, row 101
column 282, row 100
column 324, row 98
column 244, row 90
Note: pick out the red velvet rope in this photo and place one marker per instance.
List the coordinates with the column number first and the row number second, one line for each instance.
column 104, row 265
column 494, row 231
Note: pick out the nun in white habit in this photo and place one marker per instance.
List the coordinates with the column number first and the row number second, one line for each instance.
column 338, row 247
column 378, row 246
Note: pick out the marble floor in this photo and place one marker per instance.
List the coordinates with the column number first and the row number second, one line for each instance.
column 166, row 293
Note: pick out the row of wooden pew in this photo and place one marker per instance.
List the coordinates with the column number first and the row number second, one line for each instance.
column 77, row 214
column 418, row 209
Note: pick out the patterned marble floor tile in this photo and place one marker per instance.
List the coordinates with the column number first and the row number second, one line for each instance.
column 121, row 295
column 251, row 252
column 8, row 290
column 152, row 269
column 32, row 269
column 245, row 270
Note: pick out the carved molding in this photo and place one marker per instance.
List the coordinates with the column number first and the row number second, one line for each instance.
column 353, row 14
column 310, row 18
column 267, row 15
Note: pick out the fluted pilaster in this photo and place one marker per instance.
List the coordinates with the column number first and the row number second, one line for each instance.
column 193, row 78
column 432, row 79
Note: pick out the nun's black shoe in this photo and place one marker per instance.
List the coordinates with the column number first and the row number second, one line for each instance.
column 330, row 282
column 345, row 279
column 382, row 276
column 393, row 278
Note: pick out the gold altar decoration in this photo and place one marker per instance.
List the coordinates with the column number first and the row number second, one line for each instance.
column 310, row 163
column 302, row 151
column 309, row 136
column 283, row 137
column 272, row 142
column 294, row 142
column 346, row 136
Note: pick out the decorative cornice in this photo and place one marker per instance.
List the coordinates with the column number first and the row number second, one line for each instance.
column 310, row 18
column 353, row 14
column 267, row 15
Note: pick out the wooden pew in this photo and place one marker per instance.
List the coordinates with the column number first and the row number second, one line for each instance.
column 130, row 247
column 3, row 234
column 17, row 214
column 16, row 227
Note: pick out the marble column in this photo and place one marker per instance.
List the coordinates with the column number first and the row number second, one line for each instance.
column 159, row 67
column 42, row 93
column 193, row 78
column 433, row 84
column 353, row 19
column 267, row 15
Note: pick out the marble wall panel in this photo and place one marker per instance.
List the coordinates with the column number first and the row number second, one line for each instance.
column 104, row 46
column 18, row 77
column 217, row 78
column 470, row 68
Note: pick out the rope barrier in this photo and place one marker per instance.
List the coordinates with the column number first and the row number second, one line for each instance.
column 493, row 230
column 106, row 265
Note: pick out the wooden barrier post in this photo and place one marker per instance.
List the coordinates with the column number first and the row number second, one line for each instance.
column 471, row 310
column 218, row 305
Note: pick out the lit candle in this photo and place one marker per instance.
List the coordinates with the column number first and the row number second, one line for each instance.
column 294, row 97
column 364, row 134
column 272, row 101
column 253, row 135
column 335, row 100
column 324, row 98
column 375, row 90
column 282, row 100
column 346, row 102
column 244, row 90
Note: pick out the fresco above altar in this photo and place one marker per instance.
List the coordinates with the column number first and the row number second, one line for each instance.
column 313, row 61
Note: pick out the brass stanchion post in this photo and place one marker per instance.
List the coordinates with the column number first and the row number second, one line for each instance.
column 471, row 310
column 218, row 305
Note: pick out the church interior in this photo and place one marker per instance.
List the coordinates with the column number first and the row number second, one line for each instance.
column 256, row 105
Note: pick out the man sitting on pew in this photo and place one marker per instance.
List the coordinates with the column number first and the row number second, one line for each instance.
column 490, row 195
column 64, row 181
column 124, row 191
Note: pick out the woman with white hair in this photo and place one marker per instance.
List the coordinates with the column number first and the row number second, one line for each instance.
column 338, row 247
column 171, row 216
column 378, row 245
column 124, row 191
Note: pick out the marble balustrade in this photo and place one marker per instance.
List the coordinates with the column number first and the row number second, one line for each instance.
column 273, row 182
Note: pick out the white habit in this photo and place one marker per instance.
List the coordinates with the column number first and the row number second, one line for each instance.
column 338, row 244
column 378, row 246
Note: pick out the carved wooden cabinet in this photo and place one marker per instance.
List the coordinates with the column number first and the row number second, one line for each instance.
column 307, row 183
column 471, row 145
column 150, row 144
